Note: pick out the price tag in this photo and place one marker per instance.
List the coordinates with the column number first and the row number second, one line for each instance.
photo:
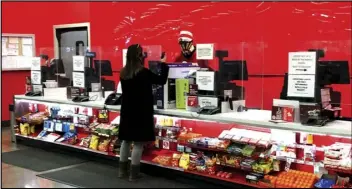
column 166, row 145
column 288, row 164
column 72, row 127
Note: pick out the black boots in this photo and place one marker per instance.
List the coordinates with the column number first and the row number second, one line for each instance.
column 123, row 167
column 135, row 173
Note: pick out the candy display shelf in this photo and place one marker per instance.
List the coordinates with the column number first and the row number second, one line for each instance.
column 208, row 126
column 255, row 118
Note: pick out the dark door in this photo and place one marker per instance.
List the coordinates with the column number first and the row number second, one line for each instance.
column 72, row 41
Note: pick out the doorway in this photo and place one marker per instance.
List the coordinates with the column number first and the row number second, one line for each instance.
column 70, row 40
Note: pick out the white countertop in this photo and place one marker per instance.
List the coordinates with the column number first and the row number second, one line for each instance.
column 257, row 118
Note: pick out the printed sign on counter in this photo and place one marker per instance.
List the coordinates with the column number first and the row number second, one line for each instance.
column 302, row 62
column 205, row 80
column 37, row 88
column 205, row 51
column 301, row 86
column 35, row 63
column 36, row 77
column 78, row 63
column 78, row 79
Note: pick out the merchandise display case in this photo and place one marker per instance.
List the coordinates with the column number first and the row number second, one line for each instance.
column 240, row 151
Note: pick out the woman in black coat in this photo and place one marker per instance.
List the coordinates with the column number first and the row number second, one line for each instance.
column 137, row 111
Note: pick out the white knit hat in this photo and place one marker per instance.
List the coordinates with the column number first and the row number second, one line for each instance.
column 185, row 36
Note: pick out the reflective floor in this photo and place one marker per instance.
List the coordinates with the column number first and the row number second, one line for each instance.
column 16, row 177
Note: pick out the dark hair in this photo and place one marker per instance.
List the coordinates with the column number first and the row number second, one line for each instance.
column 134, row 60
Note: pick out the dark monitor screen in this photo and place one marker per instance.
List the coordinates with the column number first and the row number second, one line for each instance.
column 333, row 72
column 57, row 66
column 103, row 67
column 233, row 70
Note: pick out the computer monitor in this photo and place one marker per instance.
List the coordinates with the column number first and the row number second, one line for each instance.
column 103, row 67
column 233, row 70
column 333, row 72
column 57, row 66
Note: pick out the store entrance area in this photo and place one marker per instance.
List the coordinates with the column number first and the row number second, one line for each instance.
column 27, row 167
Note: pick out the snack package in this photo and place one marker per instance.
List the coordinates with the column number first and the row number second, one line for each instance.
column 85, row 142
column 248, row 150
column 175, row 160
column 94, row 142
column 184, row 161
column 24, row 129
column 104, row 145
column 309, row 153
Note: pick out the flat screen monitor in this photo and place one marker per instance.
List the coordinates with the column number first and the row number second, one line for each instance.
column 57, row 66
column 333, row 72
column 103, row 67
column 233, row 70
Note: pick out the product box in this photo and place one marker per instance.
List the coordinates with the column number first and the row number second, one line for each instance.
column 283, row 113
column 309, row 111
column 182, row 89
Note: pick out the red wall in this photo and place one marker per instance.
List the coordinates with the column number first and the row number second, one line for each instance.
column 260, row 32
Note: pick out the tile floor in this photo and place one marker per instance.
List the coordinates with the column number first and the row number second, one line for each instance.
column 16, row 177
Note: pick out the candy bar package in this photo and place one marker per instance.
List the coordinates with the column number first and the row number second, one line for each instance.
column 85, row 142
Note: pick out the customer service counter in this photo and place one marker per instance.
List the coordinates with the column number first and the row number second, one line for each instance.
column 213, row 127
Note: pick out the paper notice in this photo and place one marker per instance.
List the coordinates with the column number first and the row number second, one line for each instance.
column 78, row 63
column 205, row 80
column 13, row 40
column 78, row 79
column 301, row 86
column 302, row 62
column 36, row 77
column 12, row 52
column 37, row 88
column 27, row 41
column 35, row 63
column 205, row 51
column 27, row 50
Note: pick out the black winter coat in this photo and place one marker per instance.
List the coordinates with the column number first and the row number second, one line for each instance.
column 137, row 111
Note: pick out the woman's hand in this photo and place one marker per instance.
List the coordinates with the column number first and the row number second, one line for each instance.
column 163, row 59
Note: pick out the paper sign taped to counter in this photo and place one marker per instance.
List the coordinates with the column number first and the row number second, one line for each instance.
column 302, row 62
column 78, row 79
column 35, row 63
column 205, row 80
column 78, row 63
column 205, row 51
column 36, row 77
column 37, row 88
column 301, row 86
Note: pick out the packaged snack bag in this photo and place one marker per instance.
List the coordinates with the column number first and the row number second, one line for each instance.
column 184, row 161
column 94, row 142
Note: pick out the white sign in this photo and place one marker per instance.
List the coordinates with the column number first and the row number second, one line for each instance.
column 78, row 63
column 36, row 77
column 124, row 57
column 78, row 79
column 37, row 88
column 302, row 62
column 207, row 101
column 205, row 51
column 301, row 86
column 35, row 63
column 205, row 80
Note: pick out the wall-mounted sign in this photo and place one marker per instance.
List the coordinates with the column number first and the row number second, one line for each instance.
column 36, row 77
